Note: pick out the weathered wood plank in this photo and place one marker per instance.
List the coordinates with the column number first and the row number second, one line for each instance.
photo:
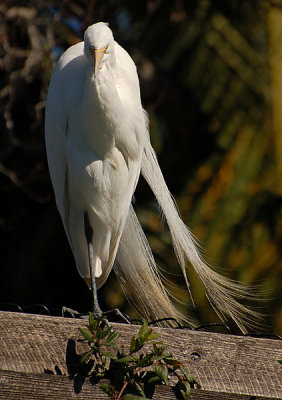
column 22, row 386
column 220, row 363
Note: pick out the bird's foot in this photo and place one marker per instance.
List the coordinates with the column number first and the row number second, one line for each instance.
column 114, row 315
column 117, row 315
column 69, row 312
column 100, row 315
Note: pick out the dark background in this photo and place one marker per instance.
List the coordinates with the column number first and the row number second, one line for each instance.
column 205, row 78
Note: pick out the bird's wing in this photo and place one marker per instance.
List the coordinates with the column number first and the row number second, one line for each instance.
column 56, row 126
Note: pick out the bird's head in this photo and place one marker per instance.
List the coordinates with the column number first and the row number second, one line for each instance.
column 99, row 45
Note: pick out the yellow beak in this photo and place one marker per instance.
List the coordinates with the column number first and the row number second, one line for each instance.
column 98, row 55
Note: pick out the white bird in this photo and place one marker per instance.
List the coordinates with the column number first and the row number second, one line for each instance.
column 97, row 143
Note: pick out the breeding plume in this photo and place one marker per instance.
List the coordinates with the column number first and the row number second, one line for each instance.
column 97, row 144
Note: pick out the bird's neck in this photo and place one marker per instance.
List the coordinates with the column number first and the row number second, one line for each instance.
column 99, row 110
column 105, row 116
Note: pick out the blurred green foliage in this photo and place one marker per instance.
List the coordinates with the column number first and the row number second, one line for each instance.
column 205, row 82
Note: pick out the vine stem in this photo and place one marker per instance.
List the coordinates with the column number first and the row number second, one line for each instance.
column 122, row 390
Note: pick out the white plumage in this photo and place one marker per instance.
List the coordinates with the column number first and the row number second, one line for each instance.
column 97, row 143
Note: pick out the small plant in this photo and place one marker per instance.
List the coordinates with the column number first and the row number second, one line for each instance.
column 124, row 370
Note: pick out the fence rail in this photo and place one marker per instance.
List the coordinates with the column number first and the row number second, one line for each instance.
column 35, row 354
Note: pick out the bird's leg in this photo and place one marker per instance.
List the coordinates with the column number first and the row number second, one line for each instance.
column 89, row 236
column 96, row 308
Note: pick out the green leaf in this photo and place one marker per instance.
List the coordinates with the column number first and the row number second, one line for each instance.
column 110, row 355
column 139, row 390
column 139, row 343
column 106, row 332
column 158, row 350
column 173, row 361
column 132, row 345
column 110, row 341
column 128, row 358
column 154, row 379
column 147, row 334
column 101, row 334
column 157, row 358
column 85, row 357
column 107, row 388
column 152, row 337
column 280, row 361
column 93, row 323
column 188, row 376
column 143, row 330
column 162, row 371
column 186, row 391
column 144, row 362
column 86, row 334
column 100, row 375
column 113, row 336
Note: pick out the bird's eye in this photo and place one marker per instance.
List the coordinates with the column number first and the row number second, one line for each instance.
column 91, row 50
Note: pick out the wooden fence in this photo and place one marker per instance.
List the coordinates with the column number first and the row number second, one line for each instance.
column 35, row 364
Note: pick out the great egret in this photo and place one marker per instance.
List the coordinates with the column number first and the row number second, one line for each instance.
column 97, row 143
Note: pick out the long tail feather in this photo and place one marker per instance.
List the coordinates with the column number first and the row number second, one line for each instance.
column 138, row 274
column 222, row 293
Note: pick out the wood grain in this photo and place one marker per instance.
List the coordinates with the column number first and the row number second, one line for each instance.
column 22, row 386
column 33, row 345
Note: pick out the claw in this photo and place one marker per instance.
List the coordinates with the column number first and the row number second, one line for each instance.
column 118, row 315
